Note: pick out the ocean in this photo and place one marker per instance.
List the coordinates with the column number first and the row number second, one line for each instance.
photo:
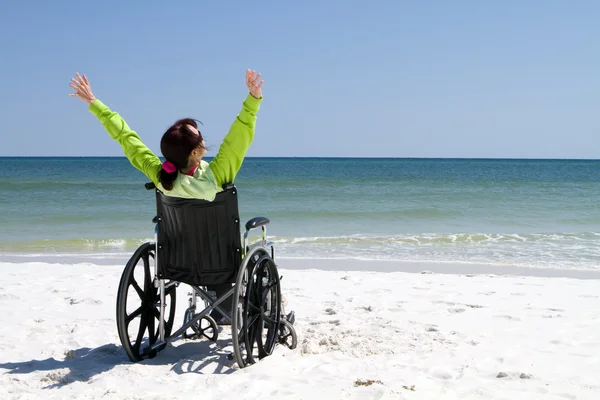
column 536, row 213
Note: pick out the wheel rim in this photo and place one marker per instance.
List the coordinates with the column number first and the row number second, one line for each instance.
column 257, row 313
column 139, row 328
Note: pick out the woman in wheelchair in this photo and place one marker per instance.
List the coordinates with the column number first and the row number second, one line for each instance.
column 184, row 181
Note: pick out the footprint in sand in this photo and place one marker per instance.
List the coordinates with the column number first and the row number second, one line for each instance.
column 73, row 301
column 333, row 322
column 487, row 293
column 378, row 291
column 552, row 316
column 456, row 310
column 509, row 317
column 448, row 303
column 330, row 311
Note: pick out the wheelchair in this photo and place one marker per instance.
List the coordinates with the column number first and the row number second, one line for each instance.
column 198, row 243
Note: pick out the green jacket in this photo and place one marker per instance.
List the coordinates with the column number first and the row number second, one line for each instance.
column 208, row 178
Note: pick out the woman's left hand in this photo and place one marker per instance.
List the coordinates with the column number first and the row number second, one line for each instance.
column 82, row 88
column 251, row 81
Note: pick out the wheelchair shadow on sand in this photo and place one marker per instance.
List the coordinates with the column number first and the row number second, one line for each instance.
column 197, row 243
column 200, row 357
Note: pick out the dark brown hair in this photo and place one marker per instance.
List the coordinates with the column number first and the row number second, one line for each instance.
column 176, row 145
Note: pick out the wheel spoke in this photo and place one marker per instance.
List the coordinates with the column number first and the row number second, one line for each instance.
column 152, row 334
column 140, row 335
column 268, row 319
column 251, row 338
column 133, row 315
column 252, row 309
column 137, row 288
column 148, row 287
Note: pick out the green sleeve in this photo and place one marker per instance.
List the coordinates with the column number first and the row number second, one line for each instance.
column 230, row 156
column 140, row 156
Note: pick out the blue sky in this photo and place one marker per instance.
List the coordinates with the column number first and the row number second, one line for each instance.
column 342, row 78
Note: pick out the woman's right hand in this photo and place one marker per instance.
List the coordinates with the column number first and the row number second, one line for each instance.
column 82, row 88
column 251, row 82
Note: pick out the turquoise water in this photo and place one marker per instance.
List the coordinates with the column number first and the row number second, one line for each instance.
column 528, row 212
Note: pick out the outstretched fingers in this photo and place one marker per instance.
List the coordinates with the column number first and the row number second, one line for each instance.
column 81, row 86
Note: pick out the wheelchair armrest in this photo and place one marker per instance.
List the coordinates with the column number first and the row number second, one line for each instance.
column 256, row 222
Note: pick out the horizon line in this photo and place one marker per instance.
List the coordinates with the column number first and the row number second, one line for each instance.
column 349, row 157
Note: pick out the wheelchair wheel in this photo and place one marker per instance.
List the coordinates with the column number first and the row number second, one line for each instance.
column 139, row 301
column 256, row 308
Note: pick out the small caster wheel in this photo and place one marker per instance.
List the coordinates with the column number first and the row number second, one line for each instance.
column 206, row 327
column 287, row 335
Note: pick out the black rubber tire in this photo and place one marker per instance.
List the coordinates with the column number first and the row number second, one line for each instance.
column 249, row 315
column 148, row 311
column 287, row 334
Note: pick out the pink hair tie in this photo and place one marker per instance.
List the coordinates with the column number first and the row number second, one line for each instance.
column 169, row 167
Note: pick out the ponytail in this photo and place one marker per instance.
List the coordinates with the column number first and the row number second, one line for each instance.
column 166, row 179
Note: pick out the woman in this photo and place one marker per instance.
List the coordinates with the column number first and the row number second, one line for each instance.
column 184, row 173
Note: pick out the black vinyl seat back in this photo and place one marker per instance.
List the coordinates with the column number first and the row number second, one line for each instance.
column 199, row 241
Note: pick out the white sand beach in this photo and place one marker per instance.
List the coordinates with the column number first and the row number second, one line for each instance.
column 363, row 334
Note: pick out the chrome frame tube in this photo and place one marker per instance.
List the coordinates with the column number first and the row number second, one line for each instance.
column 161, row 323
column 193, row 299
column 155, row 253
column 161, row 285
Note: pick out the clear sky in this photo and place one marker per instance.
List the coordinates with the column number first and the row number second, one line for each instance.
column 342, row 78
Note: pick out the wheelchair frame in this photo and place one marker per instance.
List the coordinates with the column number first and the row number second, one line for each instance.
column 255, row 259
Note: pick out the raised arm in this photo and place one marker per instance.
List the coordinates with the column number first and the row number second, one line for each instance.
column 140, row 156
column 232, row 151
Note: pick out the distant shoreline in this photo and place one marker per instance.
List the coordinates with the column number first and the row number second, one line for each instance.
column 335, row 157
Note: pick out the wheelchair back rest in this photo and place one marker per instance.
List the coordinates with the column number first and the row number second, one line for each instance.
column 199, row 242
